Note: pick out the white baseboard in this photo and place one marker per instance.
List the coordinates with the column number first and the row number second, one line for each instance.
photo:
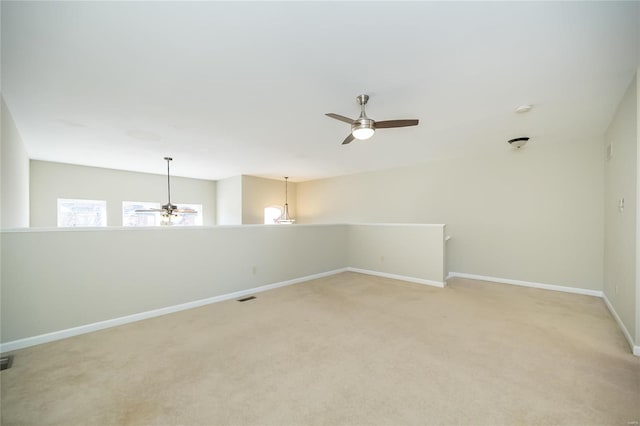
column 88, row 328
column 553, row 287
column 635, row 349
column 440, row 284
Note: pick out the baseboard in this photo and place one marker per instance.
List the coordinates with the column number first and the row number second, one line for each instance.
column 440, row 284
column 588, row 292
column 89, row 328
column 635, row 349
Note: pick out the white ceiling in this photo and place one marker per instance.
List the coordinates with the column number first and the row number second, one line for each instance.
column 242, row 88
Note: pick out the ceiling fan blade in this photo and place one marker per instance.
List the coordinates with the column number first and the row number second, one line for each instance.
column 395, row 123
column 340, row 117
column 348, row 139
column 149, row 210
column 186, row 211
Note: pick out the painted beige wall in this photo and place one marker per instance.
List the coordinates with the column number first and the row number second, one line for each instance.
column 258, row 193
column 534, row 214
column 620, row 226
column 14, row 175
column 229, row 201
column 50, row 181
column 410, row 250
column 77, row 277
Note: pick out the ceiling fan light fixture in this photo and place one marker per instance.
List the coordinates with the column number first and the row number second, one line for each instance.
column 168, row 211
column 165, row 219
column 362, row 133
column 363, row 128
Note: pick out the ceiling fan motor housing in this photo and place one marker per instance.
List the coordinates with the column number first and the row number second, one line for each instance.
column 170, row 207
column 363, row 123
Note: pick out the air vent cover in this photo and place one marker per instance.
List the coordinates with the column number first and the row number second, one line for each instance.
column 5, row 362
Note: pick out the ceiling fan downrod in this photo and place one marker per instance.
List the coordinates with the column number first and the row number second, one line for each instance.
column 362, row 101
column 169, row 205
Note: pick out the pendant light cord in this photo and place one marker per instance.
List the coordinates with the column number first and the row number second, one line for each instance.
column 286, row 193
column 284, row 217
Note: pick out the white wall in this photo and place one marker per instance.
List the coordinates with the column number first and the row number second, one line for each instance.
column 57, row 279
column 14, row 175
column 411, row 250
column 620, row 226
column 229, row 201
column 50, row 181
column 258, row 193
column 534, row 214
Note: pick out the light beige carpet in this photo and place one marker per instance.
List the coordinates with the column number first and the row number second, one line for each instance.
column 348, row 349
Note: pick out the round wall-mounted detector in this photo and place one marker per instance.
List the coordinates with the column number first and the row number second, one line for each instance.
column 523, row 108
column 518, row 142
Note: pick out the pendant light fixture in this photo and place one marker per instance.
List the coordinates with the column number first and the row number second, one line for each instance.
column 284, row 217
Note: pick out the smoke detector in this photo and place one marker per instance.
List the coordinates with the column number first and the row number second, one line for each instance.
column 518, row 142
column 523, row 108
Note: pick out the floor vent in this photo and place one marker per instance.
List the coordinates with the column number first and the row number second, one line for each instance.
column 5, row 362
column 246, row 298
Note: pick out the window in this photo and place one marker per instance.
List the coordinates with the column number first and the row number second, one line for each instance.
column 132, row 218
column 189, row 219
column 72, row 213
column 271, row 214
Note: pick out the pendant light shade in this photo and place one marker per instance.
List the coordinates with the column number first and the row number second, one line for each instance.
column 285, row 218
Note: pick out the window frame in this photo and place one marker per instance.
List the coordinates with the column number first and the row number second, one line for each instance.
column 142, row 205
column 101, row 203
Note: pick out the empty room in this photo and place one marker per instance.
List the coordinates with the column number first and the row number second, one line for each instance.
column 319, row 213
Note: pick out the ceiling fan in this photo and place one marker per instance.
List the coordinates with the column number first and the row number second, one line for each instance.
column 364, row 127
column 168, row 211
